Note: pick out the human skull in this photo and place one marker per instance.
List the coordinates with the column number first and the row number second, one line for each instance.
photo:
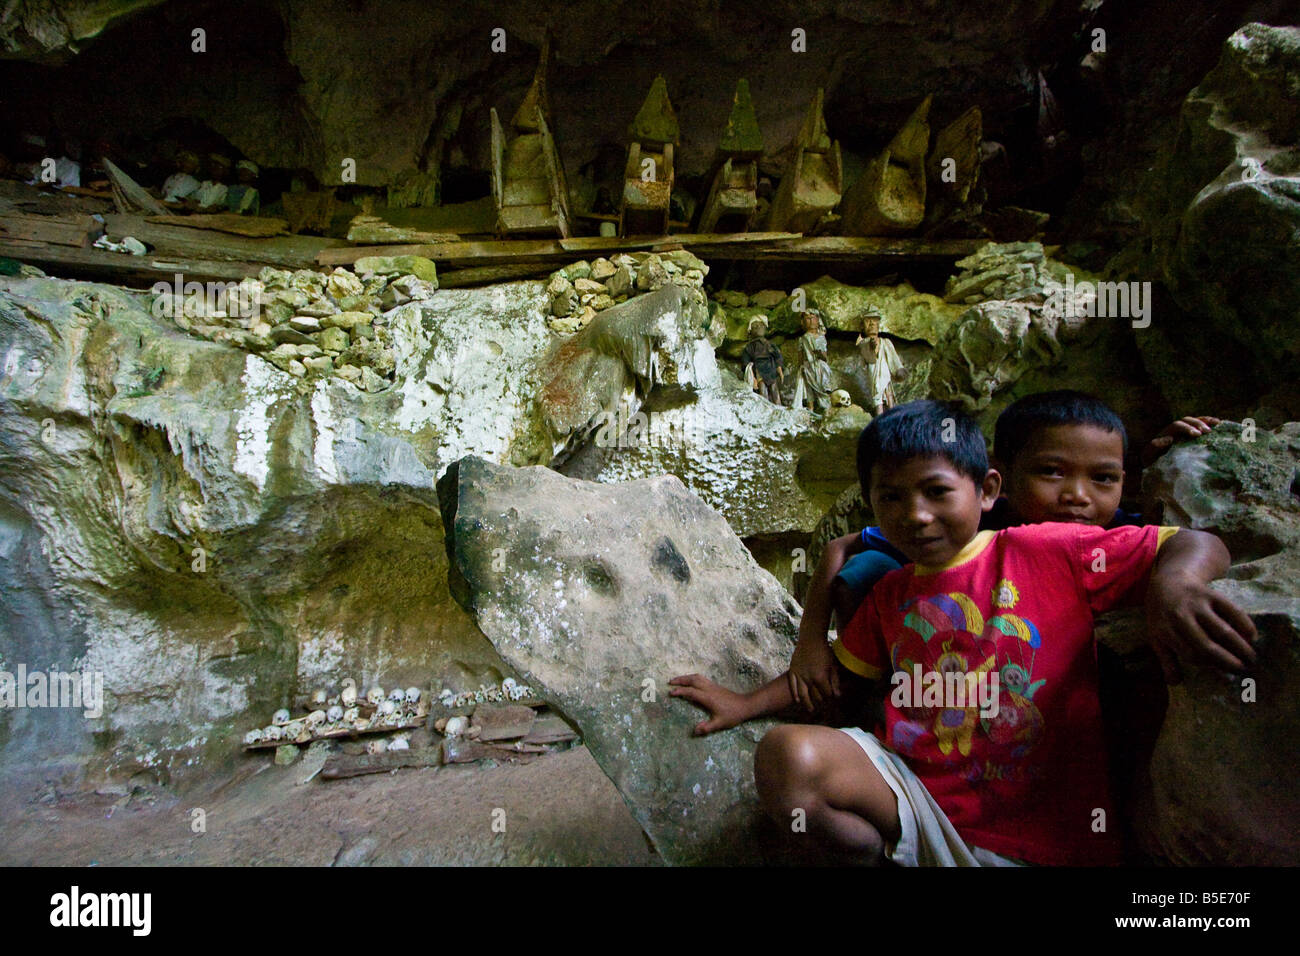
column 334, row 714
column 350, row 715
column 508, row 685
column 293, row 729
column 349, row 694
column 412, row 695
column 253, row 737
column 376, row 746
column 456, row 726
column 397, row 695
column 315, row 718
column 398, row 743
column 387, row 707
column 841, row 399
column 445, row 697
column 281, row 717
column 273, row 733
column 304, row 735
column 375, row 695
column 318, row 697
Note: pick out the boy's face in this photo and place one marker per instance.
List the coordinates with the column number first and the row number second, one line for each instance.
column 1068, row 473
column 927, row 508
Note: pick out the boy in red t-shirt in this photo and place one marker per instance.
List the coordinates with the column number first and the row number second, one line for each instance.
column 992, row 723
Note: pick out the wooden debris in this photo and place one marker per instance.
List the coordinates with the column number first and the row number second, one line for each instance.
column 255, row 227
column 130, row 196
column 342, row 766
column 283, row 252
column 502, row 721
column 309, row 210
column 889, row 198
column 954, row 165
column 550, row 729
column 373, row 229
column 67, row 230
column 812, row 185
column 460, row 750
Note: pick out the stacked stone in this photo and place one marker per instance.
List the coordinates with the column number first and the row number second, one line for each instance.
column 578, row 291
column 311, row 324
column 1008, row 271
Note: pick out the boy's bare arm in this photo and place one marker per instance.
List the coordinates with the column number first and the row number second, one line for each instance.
column 813, row 676
column 727, row 708
column 1188, row 622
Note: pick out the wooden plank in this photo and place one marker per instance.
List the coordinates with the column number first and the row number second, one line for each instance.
column 71, row 231
column 121, row 269
column 502, row 721
column 486, row 275
column 342, row 766
column 755, row 246
column 255, row 227
column 283, row 252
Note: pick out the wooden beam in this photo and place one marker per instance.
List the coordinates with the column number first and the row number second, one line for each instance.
column 283, row 252
column 120, row 268
column 749, row 246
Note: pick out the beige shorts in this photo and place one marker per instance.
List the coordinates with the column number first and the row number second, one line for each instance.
column 928, row 838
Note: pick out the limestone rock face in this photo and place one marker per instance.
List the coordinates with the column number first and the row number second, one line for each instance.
column 1223, row 770
column 212, row 534
column 1225, row 211
column 599, row 594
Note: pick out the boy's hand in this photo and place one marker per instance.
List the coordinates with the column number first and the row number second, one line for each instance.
column 726, row 708
column 1185, row 429
column 814, row 674
column 1189, row 623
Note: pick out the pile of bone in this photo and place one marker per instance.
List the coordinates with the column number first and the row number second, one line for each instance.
column 510, row 690
column 310, row 324
column 578, row 291
column 343, row 714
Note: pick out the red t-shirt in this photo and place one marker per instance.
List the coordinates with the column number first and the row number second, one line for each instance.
column 1026, row 777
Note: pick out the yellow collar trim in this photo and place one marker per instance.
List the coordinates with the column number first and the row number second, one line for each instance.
column 973, row 547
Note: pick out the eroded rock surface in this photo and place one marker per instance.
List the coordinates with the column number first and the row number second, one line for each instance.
column 598, row 595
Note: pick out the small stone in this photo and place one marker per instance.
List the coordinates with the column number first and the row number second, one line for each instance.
column 293, row 298
column 588, row 285
column 340, row 283
column 296, row 368
column 652, row 274
column 332, row 340
column 602, row 269
column 417, row 266
column 366, row 332
column 285, row 352
column 370, row 381
column 346, row 320
column 286, row 754
column 318, row 308
column 577, row 270
column 355, row 303
column 348, row 373
column 733, row 299
column 600, row 302
column 564, row 302
column 321, row 363
column 310, row 350
column 305, row 323
column 558, row 284
column 767, row 299
column 620, row 283
column 287, row 334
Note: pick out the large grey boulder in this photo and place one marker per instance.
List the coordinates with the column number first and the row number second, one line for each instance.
column 1223, row 771
column 598, row 595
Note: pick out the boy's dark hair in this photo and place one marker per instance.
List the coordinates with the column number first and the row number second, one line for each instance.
column 1018, row 422
column 919, row 429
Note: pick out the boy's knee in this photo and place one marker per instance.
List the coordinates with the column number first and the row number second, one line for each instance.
column 786, row 765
